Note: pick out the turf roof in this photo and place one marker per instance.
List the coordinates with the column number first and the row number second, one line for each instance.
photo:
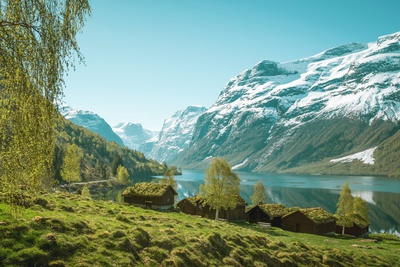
column 318, row 215
column 147, row 189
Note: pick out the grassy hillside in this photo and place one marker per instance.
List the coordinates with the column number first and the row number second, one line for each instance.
column 99, row 154
column 69, row 230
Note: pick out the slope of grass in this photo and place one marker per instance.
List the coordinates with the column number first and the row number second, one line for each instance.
column 69, row 230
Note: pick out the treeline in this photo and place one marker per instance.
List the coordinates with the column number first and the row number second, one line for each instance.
column 101, row 158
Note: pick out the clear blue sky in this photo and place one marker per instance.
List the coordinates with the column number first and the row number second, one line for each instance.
column 146, row 59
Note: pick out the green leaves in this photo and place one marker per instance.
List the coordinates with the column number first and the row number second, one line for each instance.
column 37, row 46
column 259, row 196
column 221, row 188
column 71, row 168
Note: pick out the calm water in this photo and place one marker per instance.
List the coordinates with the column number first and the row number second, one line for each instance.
column 382, row 194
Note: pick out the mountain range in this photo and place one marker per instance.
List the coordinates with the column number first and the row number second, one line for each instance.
column 281, row 116
column 165, row 145
column 333, row 112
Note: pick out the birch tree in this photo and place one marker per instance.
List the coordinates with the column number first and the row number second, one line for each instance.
column 37, row 47
column 259, row 196
column 345, row 207
column 361, row 208
column 71, row 167
column 221, row 188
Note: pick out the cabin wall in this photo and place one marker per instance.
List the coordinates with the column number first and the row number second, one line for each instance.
column 256, row 215
column 354, row 230
column 156, row 203
column 299, row 223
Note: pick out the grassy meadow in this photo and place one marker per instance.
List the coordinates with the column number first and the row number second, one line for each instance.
column 63, row 229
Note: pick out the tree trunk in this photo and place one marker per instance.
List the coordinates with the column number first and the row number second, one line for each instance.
column 216, row 213
column 343, row 230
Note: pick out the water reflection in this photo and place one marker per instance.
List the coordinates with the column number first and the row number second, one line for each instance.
column 382, row 194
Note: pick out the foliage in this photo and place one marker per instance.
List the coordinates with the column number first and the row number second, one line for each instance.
column 99, row 154
column 360, row 207
column 37, row 46
column 71, row 230
column 221, row 187
column 71, row 167
column 123, row 175
column 117, row 161
column 345, row 207
column 169, row 179
column 259, row 196
column 86, row 192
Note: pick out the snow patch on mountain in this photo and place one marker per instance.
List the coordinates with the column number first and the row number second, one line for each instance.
column 262, row 108
column 367, row 157
column 176, row 134
column 240, row 165
column 133, row 134
column 90, row 121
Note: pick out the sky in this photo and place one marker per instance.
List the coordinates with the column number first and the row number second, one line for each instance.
column 147, row 59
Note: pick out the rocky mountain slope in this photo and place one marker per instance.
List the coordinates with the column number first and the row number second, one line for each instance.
column 133, row 134
column 92, row 122
column 279, row 116
column 175, row 135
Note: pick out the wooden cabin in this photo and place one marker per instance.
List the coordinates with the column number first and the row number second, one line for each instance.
column 191, row 205
column 312, row 220
column 256, row 214
column 197, row 206
column 359, row 226
column 270, row 213
column 150, row 195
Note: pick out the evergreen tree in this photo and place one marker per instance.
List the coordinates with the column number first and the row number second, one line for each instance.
column 259, row 196
column 71, row 167
column 37, row 46
column 221, row 188
column 361, row 208
column 345, row 207
column 117, row 161
column 123, row 175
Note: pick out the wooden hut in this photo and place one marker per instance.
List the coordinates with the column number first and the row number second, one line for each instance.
column 312, row 220
column 197, row 206
column 270, row 213
column 359, row 226
column 256, row 214
column 191, row 205
column 150, row 195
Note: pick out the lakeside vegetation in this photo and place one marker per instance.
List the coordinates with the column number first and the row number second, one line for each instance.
column 70, row 230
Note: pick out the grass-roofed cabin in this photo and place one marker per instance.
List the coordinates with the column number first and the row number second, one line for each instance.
column 360, row 226
column 269, row 213
column 197, row 206
column 312, row 220
column 150, row 195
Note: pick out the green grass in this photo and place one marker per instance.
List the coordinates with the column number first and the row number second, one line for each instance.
column 70, row 230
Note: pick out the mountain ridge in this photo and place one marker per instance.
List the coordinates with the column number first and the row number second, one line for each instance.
column 260, row 111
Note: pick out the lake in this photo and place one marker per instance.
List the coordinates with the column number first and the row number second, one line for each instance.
column 382, row 194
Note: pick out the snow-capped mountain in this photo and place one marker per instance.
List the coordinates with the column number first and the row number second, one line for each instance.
column 281, row 115
column 92, row 122
column 133, row 134
column 175, row 135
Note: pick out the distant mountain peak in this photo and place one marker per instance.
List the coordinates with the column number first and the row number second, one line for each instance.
column 90, row 121
column 133, row 134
